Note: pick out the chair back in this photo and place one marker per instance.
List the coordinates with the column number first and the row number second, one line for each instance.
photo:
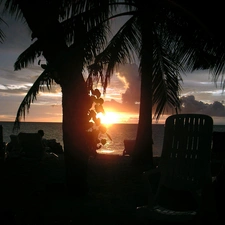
column 186, row 153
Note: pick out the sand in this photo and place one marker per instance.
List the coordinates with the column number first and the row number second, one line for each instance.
column 34, row 192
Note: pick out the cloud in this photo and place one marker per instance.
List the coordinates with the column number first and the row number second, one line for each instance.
column 124, row 90
column 199, row 93
column 199, row 84
column 190, row 105
column 129, row 75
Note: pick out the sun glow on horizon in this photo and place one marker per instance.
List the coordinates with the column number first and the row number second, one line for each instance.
column 109, row 118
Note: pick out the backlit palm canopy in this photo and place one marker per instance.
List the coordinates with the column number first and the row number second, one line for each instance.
column 168, row 39
column 78, row 27
column 68, row 34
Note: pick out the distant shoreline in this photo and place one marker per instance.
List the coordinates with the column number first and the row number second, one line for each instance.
column 154, row 123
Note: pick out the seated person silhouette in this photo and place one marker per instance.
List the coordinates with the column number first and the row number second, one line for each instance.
column 44, row 141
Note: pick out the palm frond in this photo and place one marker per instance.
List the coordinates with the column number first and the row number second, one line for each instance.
column 95, row 41
column 80, row 6
column 92, row 40
column 12, row 6
column 28, row 56
column 218, row 68
column 2, row 35
column 44, row 80
column 93, row 17
column 119, row 51
column 166, row 76
column 122, row 46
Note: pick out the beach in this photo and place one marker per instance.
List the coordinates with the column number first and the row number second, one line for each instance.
column 34, row 193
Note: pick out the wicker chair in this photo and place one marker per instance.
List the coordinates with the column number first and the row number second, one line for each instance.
column 184, row 192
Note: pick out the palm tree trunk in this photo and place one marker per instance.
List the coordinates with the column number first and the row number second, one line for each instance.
column 143, row 152
column 47, row 29
column 75, row 107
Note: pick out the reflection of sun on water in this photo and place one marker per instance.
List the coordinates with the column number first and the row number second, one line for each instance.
column 107, row 120
column 105, row 151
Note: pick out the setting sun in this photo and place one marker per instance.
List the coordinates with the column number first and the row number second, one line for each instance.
column 109, row 118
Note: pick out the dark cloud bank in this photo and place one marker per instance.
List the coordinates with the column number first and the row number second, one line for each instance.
column 130, row 99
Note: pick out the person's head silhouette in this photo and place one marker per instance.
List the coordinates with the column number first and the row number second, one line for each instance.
column 41, row 132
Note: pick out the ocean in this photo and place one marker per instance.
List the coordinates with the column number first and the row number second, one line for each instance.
column 117, row 132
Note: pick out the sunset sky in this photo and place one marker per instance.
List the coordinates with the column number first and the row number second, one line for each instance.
column 198, row 87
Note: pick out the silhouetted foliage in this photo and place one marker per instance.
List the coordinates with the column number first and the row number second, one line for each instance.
column 95, row 130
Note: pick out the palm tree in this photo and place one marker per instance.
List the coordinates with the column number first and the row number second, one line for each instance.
column 168, row 40
column 68, row 34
